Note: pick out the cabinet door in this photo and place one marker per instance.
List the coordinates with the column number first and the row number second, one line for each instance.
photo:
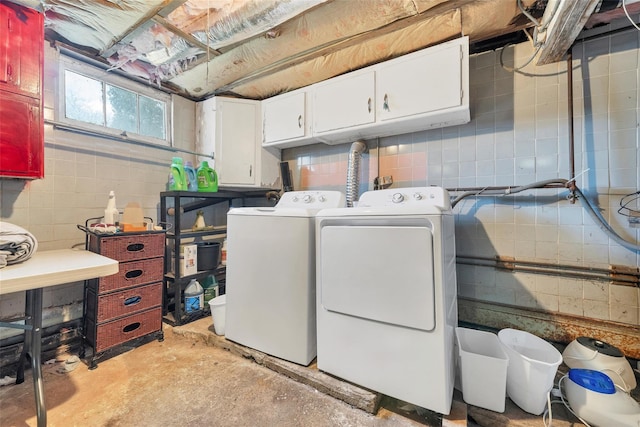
column 21, row 49
column 21, row 137
column 428, row 81
column 284, row 117
column 344, row 102
column 236, row 141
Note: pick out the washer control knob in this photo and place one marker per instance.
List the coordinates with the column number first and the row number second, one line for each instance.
column 295, row 199
column 417, row 196
column 321, row 199
column 397, row 198
column 307, row 198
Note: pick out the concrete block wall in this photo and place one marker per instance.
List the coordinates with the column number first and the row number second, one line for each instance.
column 518, row 135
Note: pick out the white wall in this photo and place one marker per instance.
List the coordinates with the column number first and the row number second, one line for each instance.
column 518, row 135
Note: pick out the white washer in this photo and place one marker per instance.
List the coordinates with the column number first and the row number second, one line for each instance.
column 270, row 278
column 387, row 306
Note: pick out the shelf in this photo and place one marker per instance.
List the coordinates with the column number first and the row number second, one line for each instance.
column 188, row 233
column 198, row 275
column 178, row 203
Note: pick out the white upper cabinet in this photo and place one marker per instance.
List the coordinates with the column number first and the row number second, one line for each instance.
column 418, row 91
column 428, row 81
column 344, row 102
column 239, row 157
column 285, row 118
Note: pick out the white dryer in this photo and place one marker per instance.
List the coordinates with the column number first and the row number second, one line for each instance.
column 387, row 306
column 270, row 278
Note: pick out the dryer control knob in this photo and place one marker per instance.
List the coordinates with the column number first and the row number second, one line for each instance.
column 307, row 198
column 417, row 196
column 295, row 198
column 397, row 198
column 321, row 198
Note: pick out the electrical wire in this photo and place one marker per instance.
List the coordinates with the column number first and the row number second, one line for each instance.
column 527, row 14
column 514, row 69
column 626, row 12
column 624, row 208
column 539, row 28
column 565, row 402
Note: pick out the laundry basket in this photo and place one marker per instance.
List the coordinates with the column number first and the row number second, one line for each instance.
column 533, row 363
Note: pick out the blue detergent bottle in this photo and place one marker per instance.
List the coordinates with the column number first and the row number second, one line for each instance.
column 192, row 177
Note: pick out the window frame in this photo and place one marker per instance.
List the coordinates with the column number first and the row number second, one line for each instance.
column 106, row 77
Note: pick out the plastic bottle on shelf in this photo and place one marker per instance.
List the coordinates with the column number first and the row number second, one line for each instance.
column 193, row 297
column 192, row 177
column 111, row 212
column 210, row 286
column 207, row 178
column 177, row 176
column 223, row 253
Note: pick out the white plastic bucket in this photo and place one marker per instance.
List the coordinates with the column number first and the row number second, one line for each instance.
column 533, row 363
column 218, row 306
column 483, row 369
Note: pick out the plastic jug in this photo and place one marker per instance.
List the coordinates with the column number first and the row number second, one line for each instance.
column 111, row 212
column 210, row 286
column 207, row 178
column 192, row 177
column 223, row 253
column 177, row 176
column 193, row 297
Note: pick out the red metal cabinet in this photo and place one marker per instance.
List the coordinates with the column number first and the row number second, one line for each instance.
column 21, row 109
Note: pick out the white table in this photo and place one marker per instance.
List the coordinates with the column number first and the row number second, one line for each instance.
column 45, row 269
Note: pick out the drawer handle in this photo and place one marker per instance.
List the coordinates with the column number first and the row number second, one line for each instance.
column 135, row 247
column 131, row 327
column 133, row 274
column 133, row 300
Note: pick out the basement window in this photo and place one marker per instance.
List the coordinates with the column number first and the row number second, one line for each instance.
column 95, row 100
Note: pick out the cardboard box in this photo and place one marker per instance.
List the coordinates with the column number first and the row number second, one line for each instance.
column 189, row 260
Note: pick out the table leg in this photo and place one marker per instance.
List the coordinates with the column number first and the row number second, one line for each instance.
column 33, row 341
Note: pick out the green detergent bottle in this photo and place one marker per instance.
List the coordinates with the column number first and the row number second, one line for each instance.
column 177, row 176
column 207, row 178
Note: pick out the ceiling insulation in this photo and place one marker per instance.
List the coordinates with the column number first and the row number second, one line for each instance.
column 259, row 48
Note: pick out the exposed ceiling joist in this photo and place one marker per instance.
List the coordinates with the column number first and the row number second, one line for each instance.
column 563, row 29
column 143, row 24
column 259, row 48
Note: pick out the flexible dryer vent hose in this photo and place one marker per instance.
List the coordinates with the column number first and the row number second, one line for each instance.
column 353, row 172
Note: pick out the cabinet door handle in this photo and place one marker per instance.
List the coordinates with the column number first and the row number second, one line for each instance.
column 300, row 121
column 385, row 103
column 369, row 104
column 250, row 170
column 9, row 70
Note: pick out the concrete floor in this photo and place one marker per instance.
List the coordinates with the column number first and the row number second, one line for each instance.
column 185, row 381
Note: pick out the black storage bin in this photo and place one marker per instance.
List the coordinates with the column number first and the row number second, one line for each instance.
column 208, row 255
